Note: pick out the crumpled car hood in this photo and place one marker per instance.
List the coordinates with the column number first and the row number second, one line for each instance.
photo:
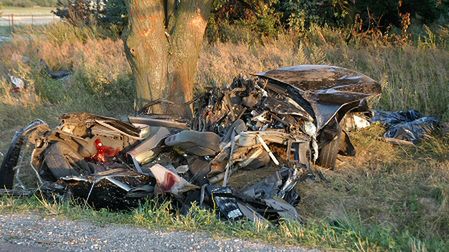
column 326, row 89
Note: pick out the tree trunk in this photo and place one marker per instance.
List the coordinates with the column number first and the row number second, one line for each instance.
column 163, row 43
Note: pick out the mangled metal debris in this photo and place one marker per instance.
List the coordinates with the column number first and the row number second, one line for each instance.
column 288, row 119
column 402, row 127
column 17, row 84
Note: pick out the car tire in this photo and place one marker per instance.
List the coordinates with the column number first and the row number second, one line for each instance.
column 10, row 161
column 327, row 156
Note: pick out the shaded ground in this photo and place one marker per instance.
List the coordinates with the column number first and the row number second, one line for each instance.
column 25, row 232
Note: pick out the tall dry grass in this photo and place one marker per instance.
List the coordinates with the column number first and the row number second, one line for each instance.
column 411, row 76
column 100, row 82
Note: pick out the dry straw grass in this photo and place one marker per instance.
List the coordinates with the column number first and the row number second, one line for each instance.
column 412, row 76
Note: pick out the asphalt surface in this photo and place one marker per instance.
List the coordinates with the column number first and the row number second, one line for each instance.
column 27, row 20
column 30, row 232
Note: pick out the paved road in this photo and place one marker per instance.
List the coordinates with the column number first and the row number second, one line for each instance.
column 28, row 20
column 29, row 232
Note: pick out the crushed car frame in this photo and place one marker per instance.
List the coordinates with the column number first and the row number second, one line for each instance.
column 288, row 119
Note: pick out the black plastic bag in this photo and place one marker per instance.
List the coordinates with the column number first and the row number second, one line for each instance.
column 406, row 125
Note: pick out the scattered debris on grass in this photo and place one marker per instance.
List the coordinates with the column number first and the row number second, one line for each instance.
column 289, row 119
column 406, row 126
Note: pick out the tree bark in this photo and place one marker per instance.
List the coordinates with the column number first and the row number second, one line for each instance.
column 163, row 43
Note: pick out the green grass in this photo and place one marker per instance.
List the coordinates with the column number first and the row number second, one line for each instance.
column 340, row 234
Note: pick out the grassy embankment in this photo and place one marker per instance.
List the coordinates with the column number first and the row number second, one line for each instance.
column 388, row 197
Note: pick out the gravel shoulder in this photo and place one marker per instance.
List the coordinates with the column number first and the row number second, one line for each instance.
column 33, row 232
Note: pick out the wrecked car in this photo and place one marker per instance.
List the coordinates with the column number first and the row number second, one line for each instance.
column 288, row 119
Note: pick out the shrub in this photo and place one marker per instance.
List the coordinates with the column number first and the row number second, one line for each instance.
column 114, row 15
column 298, row 13
column 77, row 12
column 390, row 12
column 268, row 17
column 259, row 16
column 109, row 14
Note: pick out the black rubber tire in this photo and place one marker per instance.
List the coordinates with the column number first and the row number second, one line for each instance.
column 12, row 156
column 9, row 162
column 328, row 153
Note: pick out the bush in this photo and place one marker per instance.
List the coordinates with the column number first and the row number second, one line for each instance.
column 77, row 12
column 112, row 15
column 268, row 17
column 260, row 16
column 300, row 13
column 390, row 12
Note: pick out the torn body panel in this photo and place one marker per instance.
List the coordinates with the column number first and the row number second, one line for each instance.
column 285, row 119
column 326, row 88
